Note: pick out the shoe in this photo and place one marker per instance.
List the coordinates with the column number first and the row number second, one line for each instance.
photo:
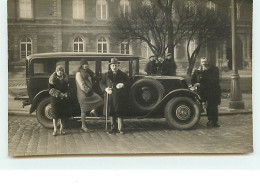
column 85, row 129
column 54, row 133
column 93, row 113
column 112, row 131
column 121, row 132
column 215, row 124
column 209, row 124
column 62, row 132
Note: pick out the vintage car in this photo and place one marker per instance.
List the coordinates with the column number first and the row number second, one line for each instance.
column 149, row 96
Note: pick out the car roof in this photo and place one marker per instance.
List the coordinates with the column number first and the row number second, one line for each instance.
column 81, row 54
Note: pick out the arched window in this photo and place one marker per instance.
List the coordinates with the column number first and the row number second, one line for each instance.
column 211, row 6
column 26, row 47
column 78, row 45
column 78, row 9
column 102, row 45
column 191, row 7
column 125, row 48
column 101, row 9
column 124, row 7
column 25, row 9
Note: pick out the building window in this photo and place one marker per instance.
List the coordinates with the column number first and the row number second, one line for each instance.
column 26, row 47
column 101, row 9
column 78, row 45
column 211, row 6
column 25, row 9
column 78, row 9
column 191, row 7
column 125, row 48
column 124, row 7
column 102, row 45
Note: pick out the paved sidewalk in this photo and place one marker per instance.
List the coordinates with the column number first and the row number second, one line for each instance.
column 147, row 136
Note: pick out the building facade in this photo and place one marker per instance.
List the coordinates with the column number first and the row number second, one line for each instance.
column 40, row 26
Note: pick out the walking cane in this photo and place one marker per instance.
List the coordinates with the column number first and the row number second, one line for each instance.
column 106, row 110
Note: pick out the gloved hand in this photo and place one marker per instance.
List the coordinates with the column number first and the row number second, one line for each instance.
column 108, row 90
column 119, row 85
column 204, row 105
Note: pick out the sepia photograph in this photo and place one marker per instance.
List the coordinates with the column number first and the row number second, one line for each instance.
column 129, row 77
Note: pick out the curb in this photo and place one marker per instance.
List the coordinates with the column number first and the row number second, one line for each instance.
column 20, row 113
column 231, row 113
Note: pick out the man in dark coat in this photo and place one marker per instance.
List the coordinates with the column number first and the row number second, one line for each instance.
column 168, row 66
column 115, row 83
column 153, row 66
column 209, row 89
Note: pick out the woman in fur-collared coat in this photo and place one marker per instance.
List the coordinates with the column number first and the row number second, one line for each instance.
column 59, row 87
column 87, row 99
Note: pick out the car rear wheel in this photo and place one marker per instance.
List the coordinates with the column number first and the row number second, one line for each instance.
column 182, row 112
column 44, row 113
column 146, row 94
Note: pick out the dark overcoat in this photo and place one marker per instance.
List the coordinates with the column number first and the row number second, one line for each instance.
column 117, row 101
column 169, row 68
column 59, row 105
column 209, row 89
column 152, row 68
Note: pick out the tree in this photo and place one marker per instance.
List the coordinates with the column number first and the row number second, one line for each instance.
column 205, row 26
column 152, row 22
column 162, row 24
column 146, row 23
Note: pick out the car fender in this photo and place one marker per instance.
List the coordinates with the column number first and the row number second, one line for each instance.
column 42, row 94
column 175, row 93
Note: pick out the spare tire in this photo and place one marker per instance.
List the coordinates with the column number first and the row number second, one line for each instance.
column 146, row 94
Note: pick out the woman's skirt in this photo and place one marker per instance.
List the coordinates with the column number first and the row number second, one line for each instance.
column 91, row 102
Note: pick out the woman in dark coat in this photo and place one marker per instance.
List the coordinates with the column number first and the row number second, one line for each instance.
column 88, row 100
column 58, row 85
column 115, row 83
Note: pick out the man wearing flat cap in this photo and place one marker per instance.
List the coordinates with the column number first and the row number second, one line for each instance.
column 152, row 66
column 207, row 77
column 169, row 67
column 115, row 84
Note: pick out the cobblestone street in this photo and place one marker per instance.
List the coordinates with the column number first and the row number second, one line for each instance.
column 27, row 137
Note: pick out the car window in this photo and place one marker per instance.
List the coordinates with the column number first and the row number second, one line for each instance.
column 123, row 66
column 75, row 64
column 45, row 67
column 134, row 62
column 104, row 67
column 142, row 65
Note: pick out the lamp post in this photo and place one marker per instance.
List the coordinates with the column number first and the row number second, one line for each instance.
column 235, row 94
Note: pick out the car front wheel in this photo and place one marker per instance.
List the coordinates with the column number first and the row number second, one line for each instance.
column 182, row 112
column 44, row 113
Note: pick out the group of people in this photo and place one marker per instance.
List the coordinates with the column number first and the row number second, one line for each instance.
column 158, row 66
column 113, row 84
